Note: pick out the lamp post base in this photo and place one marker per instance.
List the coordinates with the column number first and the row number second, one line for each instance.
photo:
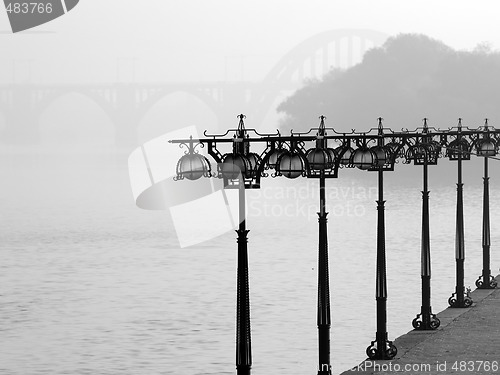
column 491, row 284
column 464, row 301
column 243, row 370
column 426, row 321
column 381, row 348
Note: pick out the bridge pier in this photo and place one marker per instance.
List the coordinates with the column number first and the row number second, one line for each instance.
column 21, row 121
column 125, row 118
column 125, row 131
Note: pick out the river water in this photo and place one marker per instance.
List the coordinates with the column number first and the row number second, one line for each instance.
column 91, row 284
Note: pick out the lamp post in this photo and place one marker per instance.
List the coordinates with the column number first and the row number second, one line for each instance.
column 239, row 169
column 458, row 150
column 319, row 162
column 323, row 318
column 425, row 152
column 381, row 347
column 237, row 166
column 486, row 147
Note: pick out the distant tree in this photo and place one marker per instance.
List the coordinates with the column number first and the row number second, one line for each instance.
column 410, row 77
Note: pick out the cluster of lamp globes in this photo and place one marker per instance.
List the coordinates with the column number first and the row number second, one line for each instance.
column 294, row 161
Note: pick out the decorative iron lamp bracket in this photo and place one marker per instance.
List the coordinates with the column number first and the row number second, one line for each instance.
column 392, row 158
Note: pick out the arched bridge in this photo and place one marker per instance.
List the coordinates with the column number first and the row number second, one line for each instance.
column 127, row 104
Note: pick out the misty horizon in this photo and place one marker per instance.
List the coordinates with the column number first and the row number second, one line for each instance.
column 111, row 265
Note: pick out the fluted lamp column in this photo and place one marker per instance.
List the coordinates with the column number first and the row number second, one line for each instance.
column 317, row 162
column 319, row 159
column 381, row 347
column 486, row 147
column 459, row 150
column 425, row 152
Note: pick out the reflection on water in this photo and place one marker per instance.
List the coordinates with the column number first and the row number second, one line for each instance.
column 90, row 284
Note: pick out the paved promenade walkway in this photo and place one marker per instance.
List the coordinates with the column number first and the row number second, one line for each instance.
column 467, row 342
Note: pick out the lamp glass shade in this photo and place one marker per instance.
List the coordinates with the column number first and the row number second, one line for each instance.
column 333, row 155
column 274, row 156
column 291, row 165
column 193, row 166
column 486, row 147
column 380, row 155
column 254, row 161
column 363, row 158
column 234, row 164
column 318, row 158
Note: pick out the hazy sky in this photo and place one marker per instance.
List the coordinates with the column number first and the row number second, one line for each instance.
column 210, row 40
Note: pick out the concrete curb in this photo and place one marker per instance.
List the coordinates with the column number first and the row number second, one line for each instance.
column 409, row 341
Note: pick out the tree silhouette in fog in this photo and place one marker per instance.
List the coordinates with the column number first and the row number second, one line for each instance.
column 410, row 77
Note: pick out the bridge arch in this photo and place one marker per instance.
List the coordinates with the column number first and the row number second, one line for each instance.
column 72, row 119
column 53, row 95
column 208, row 99
column 174, row 109
column 128, row 104
column 317, row 54
column 332, row 45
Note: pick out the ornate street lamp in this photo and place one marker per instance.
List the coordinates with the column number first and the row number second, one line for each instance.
column 318, row 162
column 323, row 308
column 240, row 169
column 243, row 167
column 459, row 149
column 425, row 151
column 486, row 147
column 288, row 156
column 384, row 159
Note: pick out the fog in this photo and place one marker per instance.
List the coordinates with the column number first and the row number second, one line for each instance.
column 214, row 40
column 63, row 85
column 207, row 42
column 81, row 94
